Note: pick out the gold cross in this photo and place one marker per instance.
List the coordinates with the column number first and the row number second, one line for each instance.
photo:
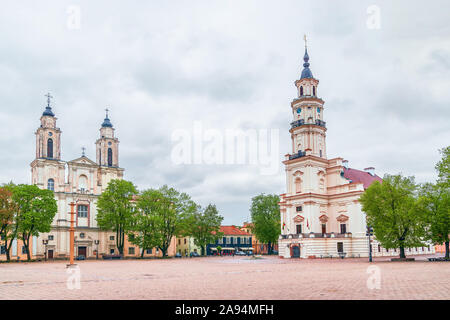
column 304, row 38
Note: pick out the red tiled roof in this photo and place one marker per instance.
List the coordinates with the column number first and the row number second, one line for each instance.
column 361, row 176
column 233, row 231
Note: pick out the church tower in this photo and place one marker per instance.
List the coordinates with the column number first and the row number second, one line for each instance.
column 48, row 136
column 47, row 169
column 107, row 146
column 308, row 128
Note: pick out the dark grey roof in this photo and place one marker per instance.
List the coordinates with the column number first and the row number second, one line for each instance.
column 306, row 73
column 48, row 112
column 106, row 123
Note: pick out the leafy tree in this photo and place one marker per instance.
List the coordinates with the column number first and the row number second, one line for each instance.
column 145, row 222
column 8, row 211
column 393, row 211
column 435, row 201
column 36, row 209
column 171, row 212
column 116, row 209
column 443, row 168
column 265, row 213
column 204, row 226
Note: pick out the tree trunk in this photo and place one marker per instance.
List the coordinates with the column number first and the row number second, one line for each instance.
column 203, row 250
column 269, row 248
column 402, row 252
column 447, row 250
column 163, row 251
column 142, row 253
column 26, row 243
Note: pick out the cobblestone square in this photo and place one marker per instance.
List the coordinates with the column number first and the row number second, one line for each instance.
column 228, row 278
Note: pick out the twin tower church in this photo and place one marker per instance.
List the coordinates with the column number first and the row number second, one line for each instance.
column 320, row 211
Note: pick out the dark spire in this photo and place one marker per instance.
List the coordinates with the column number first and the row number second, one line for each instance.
column 306, row 73
column 48, row 110
column 106, row 123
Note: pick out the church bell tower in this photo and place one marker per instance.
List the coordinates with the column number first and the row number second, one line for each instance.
column 48, row 136
column 107, row 146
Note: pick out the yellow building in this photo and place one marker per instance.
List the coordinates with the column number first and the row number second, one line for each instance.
column 18, row 251
column 186, row 245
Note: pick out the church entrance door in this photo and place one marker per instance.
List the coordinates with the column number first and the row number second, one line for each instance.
column 82, row 251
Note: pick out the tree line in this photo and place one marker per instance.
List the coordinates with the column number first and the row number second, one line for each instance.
column 152, row 217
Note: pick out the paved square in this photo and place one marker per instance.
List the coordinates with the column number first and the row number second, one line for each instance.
column 227, row 278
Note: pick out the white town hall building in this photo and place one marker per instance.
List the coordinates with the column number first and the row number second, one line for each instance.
column 320, row 212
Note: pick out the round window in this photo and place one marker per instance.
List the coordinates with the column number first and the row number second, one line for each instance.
column 50, row 134
column 299, row 110
column 109, row 143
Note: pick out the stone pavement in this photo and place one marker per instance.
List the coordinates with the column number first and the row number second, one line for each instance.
column 228, row 278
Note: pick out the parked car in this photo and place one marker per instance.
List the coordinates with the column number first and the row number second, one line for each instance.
column 80, row 257
column 178, row 255
column 194, row 254
column 249, row 252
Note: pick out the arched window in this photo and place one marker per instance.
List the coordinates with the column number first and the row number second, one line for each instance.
column 82, row 183
column 51, row 184
column 314, row 91
column 110, row 157
column 50, row 148
column 301, row 91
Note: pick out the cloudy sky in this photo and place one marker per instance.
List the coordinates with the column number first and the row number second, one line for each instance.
column 163, row 66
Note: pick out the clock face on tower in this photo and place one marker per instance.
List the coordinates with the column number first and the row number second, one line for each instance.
column 299, row 110
column 318, row 110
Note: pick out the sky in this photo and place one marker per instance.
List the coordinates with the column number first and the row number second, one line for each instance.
column 168, row 68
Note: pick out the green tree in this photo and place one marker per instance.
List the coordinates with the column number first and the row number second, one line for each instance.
column 204, row 226
column 392, row 210
column 36, row 209
column 145, row 221
column 435, row 202
column 116, row 209
column 8, row 211
column 172, row 211
column 443, row 168
column 265, row 213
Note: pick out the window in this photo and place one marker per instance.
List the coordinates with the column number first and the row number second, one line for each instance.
column 82, row 183
column 231, row 240
column 131, row 250
column 2, row 250
column 320, row 152
column 314, row 91
column 324, row 228
column 50, row 148
column 24, row 250
column 301, row 91
column 238, row 240
column 379, row 248
column 343, row 228
column 179, row 241
column 111, row 251
column 224, row 240
column 184, row 240
column 299, row 209
column 82, row 235
column 82, row 211
column 111, row 238
column 149, row 251
column 110, row 161
column 340, row 247
column 51, row 184
column 50, row 237
column 299, row 228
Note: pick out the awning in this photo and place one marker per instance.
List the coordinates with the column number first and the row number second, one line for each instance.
column 228, row 249
column 246, row 248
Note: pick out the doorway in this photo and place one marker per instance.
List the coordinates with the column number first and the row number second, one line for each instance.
column 296, row 252
column 50, row 254
column 82, row 251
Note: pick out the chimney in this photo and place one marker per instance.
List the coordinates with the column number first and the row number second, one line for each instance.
column 345, row 163
column 370, row 170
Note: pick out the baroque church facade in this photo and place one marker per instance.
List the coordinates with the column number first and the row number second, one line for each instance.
column 320, row 212
column 81, row 181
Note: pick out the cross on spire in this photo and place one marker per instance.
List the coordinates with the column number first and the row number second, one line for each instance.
column 107, row 110
column 304, row 38
column 83, row 149
column 49, row 96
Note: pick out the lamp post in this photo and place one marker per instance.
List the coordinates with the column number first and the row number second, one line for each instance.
column 45, row 243
column 71, row 230
column 97, row 242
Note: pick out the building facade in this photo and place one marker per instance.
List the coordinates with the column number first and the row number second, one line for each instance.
column 232, row 240
column 320, row 212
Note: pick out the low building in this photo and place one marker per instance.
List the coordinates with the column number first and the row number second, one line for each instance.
column 131, row 250
column 232, row 240
column 186, row 245
column 18, row 250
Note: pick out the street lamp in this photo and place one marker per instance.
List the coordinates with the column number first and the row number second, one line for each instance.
column 45, row 243
column 97, row 242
